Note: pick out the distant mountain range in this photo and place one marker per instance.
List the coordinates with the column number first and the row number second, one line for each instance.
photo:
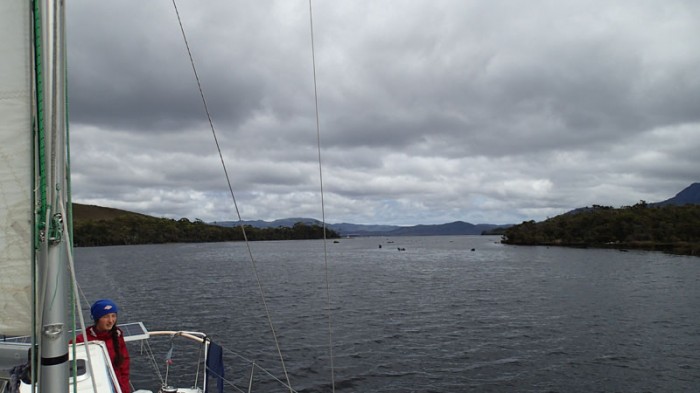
column 347, row 229
column 690, row 195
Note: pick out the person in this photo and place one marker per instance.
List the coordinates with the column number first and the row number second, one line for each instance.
column 104, row 313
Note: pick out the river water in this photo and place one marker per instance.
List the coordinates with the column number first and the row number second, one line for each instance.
column 448, row 314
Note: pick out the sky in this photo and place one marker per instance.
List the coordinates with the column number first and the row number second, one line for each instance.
column 429, row 111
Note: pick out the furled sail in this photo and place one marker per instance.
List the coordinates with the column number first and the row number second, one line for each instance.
column 16, row 168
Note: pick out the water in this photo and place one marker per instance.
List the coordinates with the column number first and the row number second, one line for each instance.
column 437, row 317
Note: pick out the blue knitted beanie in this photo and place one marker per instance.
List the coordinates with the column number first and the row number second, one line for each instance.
column 103, row 307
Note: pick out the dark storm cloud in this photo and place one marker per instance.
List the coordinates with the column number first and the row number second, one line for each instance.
column 484, row 111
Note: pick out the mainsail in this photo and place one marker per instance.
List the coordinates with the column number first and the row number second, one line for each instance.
column 34, row 186
column 16, row 170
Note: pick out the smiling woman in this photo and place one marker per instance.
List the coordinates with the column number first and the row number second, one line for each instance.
column 104, row 313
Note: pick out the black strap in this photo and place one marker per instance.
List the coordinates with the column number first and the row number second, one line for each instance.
column 55, row 360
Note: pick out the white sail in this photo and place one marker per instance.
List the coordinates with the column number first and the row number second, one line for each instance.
column 16, row 173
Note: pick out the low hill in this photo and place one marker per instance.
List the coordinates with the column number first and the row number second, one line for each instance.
column 672, row 225
column 671, row 228
column 103, row 226
column 452, row 228
column 83, row 213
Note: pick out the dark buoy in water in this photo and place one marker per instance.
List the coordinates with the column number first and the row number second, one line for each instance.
column 380, row 246
column 473, row 249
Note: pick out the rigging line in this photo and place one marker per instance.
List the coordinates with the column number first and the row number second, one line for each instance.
column 323, row 207
column 233, row 197
column 76, row 296
column 146, row 346
column 258, row 367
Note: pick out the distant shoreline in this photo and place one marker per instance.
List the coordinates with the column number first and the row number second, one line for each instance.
column 681, row 248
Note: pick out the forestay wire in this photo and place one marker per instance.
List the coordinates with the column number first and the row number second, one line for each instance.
column 323, row 207
column 233, row 197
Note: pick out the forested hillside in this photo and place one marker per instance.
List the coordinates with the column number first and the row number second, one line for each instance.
column 673, row 229
column 97, row 226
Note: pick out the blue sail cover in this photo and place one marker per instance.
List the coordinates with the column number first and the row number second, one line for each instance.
column 215, row 366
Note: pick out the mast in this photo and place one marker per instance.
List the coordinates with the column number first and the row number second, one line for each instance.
column 52, row 247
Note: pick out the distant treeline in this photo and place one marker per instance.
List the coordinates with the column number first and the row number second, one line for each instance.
column 138, row 229
column 674, row 229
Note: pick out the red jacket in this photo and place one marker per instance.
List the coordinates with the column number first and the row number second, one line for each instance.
column 122, row 371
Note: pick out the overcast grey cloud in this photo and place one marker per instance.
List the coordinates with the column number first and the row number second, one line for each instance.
column 430, row 111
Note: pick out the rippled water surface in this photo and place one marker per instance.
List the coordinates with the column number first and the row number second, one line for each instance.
column 437, row 317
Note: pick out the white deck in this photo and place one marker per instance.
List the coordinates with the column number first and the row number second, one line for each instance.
column 101, row 371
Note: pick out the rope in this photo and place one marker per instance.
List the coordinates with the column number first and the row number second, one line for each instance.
column 323, row 206
column 76, row 296
column 233, row 198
